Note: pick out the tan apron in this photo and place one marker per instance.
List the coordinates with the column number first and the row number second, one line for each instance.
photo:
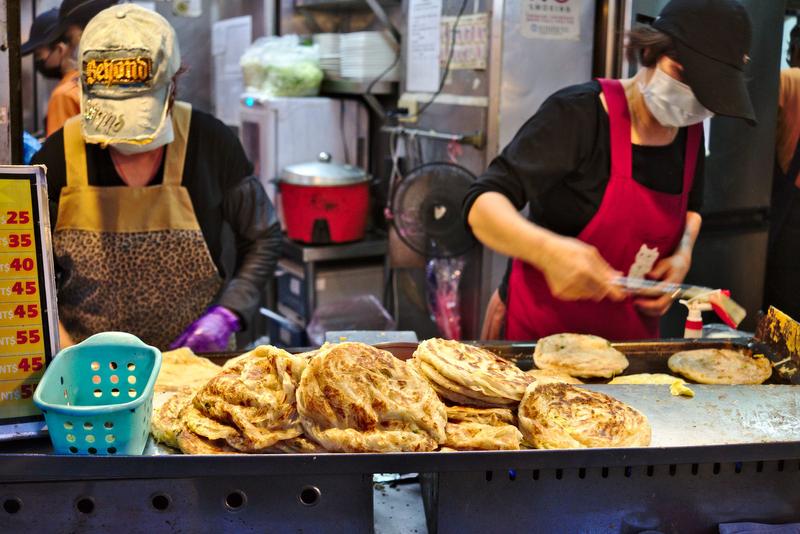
column 134, row 259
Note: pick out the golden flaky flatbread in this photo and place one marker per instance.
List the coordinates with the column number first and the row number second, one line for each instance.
column 481, row 437
column 471, row 371
column 484, row 416
column 579, row 355
column 166, row 423
column 646, row 378
column 545, row 376
column 455, row 392
column 255, row 395
column 191, row 443
column 564, row 416
column 720, row 366
column 356, row 398
column 181, row 368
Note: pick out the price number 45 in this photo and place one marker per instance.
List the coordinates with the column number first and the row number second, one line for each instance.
column 26, row 288
column 31, row 364
column 31, row 311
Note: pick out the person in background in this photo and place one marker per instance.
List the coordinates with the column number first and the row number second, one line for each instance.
column 74, row 15
column 140, row 187
column 612, row 172
column 782, row 284
column 53, row 58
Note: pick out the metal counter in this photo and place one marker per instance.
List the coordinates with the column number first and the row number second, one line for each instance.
column 730, row 453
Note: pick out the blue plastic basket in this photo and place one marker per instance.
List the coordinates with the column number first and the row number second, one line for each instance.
column 97, row 396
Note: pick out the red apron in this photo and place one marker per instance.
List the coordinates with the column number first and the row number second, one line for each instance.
column 630, row 218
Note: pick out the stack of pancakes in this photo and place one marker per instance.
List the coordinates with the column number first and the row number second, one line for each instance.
column 352, row 397
column 249, row 406
column 356, row 398
column 469, row 375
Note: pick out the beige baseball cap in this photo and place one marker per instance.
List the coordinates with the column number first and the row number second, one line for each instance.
column 128, row 56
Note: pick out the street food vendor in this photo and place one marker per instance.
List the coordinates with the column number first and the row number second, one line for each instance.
column 53, row 58
column 141, row 186
column 612, row 174
column 782, row 287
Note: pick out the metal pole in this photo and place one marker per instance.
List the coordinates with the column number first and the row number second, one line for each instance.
column 35, row 83
column 10, row 84
column 495, row 80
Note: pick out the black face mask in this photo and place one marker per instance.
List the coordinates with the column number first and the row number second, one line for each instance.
column 52, row 73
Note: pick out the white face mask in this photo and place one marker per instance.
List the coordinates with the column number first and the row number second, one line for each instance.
column 671, row 102
column 164, row 136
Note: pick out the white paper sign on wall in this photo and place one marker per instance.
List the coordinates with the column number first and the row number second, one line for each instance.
column 551, row 19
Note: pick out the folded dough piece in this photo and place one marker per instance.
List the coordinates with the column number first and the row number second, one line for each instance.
column 579, row 355
column 720, row 366
column 466, row 374
column 356, row 398
column 564, row 416
column 181, row 368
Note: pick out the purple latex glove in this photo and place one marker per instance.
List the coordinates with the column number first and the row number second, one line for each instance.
column 211, row 332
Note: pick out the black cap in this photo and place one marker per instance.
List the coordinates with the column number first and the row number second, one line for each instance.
column 712, row 39
column 80, row 12
column 45, row 30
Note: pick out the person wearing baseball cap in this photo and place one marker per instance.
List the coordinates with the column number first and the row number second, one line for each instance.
column 612, row 173
column 141, row 186
column 74, row 15
column 54, row 59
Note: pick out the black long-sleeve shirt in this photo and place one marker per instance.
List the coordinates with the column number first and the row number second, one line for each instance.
column 558, row 164
column 218, row 177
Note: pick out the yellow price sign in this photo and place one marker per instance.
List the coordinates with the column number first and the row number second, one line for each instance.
column 18, row 265
column 20, row 314
column 19, row 290
column 21, row 340
column 16, row 398
column 16, row 205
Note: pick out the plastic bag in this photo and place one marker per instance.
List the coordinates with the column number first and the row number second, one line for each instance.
column 363, row 312
column 444, row 303
column 281, row 66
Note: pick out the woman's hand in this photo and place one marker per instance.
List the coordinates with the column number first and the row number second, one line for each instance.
column 671, row 270
column 575, row 270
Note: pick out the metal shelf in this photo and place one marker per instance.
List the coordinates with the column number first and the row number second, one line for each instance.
column 340, row 4
column 357, row 87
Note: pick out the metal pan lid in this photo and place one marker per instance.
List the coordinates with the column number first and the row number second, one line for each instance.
column 323, row 172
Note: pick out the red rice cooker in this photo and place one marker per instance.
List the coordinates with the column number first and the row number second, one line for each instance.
column 324, row 202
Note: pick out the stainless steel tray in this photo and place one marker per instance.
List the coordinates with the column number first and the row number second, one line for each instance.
column 741, row 443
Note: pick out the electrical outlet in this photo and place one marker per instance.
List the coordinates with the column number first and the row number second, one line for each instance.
column 412, row 106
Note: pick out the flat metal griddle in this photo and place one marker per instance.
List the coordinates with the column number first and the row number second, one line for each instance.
column 731, row 453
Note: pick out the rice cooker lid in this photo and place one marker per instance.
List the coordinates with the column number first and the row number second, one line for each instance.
column 323, row 172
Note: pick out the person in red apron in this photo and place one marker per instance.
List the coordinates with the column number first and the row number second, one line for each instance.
column 611, row 172
column 140, row 186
